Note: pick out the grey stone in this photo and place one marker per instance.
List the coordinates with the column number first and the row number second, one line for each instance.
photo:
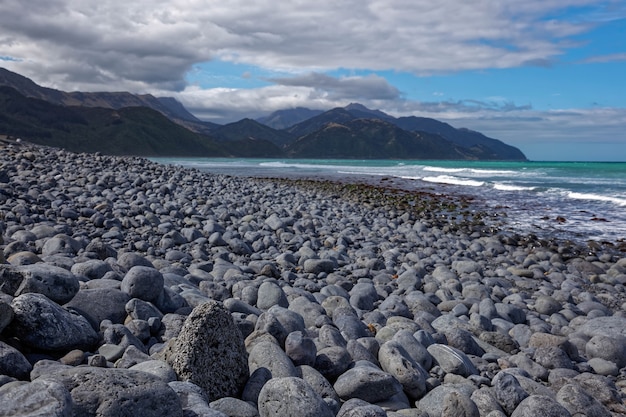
column 316, row 266
column 358, row 408
column 395, row 360
column 599, row 387
column 458, row 404
column 269, row 355
column 359, row 352
column 13, row 363
column 486, row 401
column 544, row 304
column 209, row 351
column 132, row 356
column 100, row 304
column 432, row 402
column 578, row 402
column 538, row 405
column 127, row 260
column 271, row 294
column 234, row 407
column 143, row 282
column 193, row 400
column 464, row 341
column 38, row 398
column 452, row 360
column 366, row 382
column 300, row 349
column 118, row 334
column 91, row 269
column 142, row 310
column 603, row 367
column 42, row 324
column 610, row 348
column 60, row 244
column 363, row 295
column 332, row 361
column 58, row 284
column 258, row 378
column 110, row 392
column 612, row 326
column 157, row 368
column 318, row 383
column 283, row 397
column 509, row 392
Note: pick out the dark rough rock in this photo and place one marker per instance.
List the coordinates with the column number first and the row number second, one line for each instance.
column 116, row 392
column 291, row 397
column 100, row 304
column 42, row 324
column 332, row 361
column 209, row 351
column 13, row 363
column 538, row 405
column 58, row 284
column 6, row 314
column 38, row 398
column 432, row 403
column 509, row 392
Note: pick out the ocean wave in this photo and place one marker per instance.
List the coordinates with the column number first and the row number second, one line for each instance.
column 509, row 187
column 447, row 179
column 597, row 197
column 475, row 171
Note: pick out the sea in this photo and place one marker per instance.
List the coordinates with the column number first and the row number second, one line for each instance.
column 576, row 201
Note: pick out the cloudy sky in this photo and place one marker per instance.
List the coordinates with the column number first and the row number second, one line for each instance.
column 548, row 76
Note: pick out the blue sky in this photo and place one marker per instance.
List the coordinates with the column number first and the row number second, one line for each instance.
column 547, row 76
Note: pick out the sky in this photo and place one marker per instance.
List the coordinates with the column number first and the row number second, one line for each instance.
column 547, row 76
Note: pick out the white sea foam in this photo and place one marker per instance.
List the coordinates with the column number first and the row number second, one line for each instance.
column 597, row 197
column 509, row 187
column 447, row 179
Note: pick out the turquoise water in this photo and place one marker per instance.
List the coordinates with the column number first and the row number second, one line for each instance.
column 589, row 196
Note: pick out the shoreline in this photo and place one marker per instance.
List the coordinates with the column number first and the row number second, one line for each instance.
column 323, row 296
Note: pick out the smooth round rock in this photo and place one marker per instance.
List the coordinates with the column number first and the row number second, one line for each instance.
column 13, row 363
column 538, row 405
column 58, row 284
column 143, row 282
column 283, row 397
column 366, row 382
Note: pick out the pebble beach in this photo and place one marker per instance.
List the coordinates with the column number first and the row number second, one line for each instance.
column 132, row 288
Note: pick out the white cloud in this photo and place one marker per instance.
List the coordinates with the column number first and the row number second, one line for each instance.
column 90, row 44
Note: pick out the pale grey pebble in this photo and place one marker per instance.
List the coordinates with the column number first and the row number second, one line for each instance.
column 320, row 385
column 56, row 283
column 452, row 360
column 485, row 400
column 458, row 404
column 366, row 382
column 359, row 408
column 432, row 402
column 13, row 363
column 193, row 400
column 145, row 283
column 610, row 348
column 142, row 310
column 317, row 266
column 271, row 294
column 269, row 355
column 91, row 269
column 37, row 398
column 539, row 405
column 234, row 407
column 300, row 349
column 395, row 360
column 113, row 392
column 209, row 351
column 157, row 368
column 42, row 324
column 578, row 402
column 291, row 397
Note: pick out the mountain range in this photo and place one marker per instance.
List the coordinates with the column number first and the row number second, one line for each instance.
column 122, row 123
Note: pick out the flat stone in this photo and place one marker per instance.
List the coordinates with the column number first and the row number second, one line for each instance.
column 111, row 392
column 366, row 382
column 98, row 304
column 58, row 284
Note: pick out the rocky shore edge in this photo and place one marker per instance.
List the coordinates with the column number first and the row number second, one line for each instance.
column 133, row 288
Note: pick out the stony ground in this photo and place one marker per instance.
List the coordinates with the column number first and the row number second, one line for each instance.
column 132, row 288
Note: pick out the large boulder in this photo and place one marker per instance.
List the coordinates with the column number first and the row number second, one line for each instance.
column 40, row 323
column 210, row 352
column 112, row 392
